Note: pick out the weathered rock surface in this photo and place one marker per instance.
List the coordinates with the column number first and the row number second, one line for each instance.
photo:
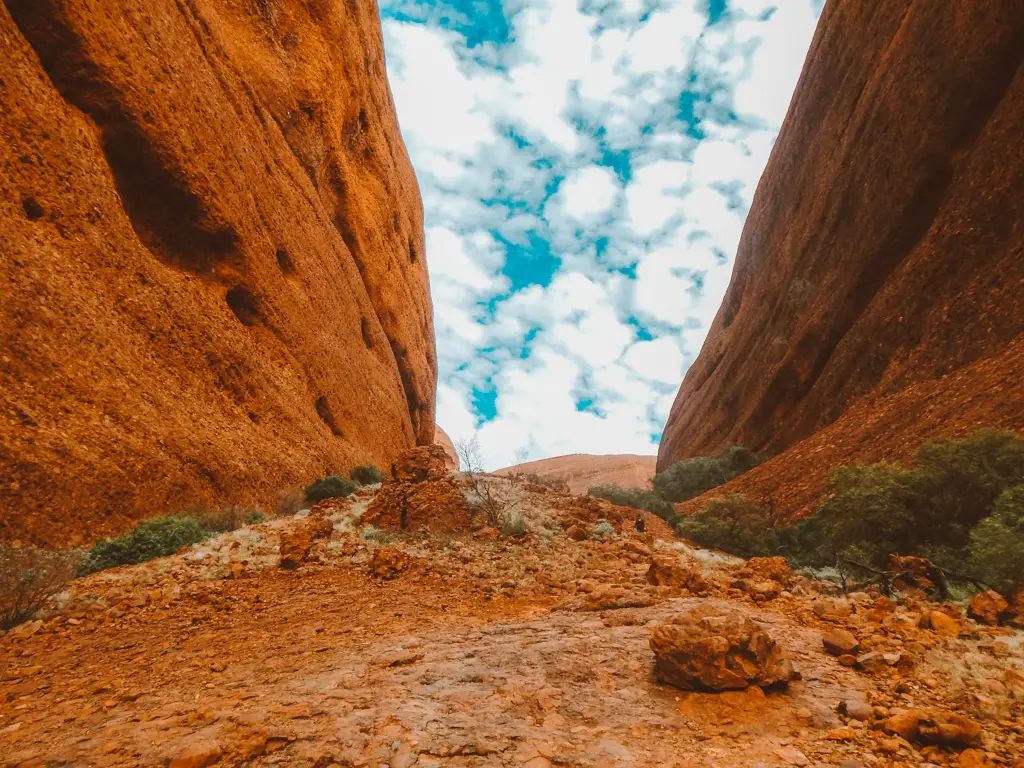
column 987, row 607
column 584, row 471
column 423, row 495
column 428, row 462
column 717, row 650
column 213, row 280
column 451, row 456
column 878, row 292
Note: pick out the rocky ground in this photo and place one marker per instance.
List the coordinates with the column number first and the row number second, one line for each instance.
column 371, row 648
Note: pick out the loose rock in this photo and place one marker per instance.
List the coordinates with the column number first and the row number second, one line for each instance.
column 718, row 650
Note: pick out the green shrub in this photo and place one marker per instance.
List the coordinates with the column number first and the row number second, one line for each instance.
column 690, row 478
column 366, row 475
column 156, row 537
column 27, row 578
column 735, row 524
column 871, row 512
column 996, row 553
column 637, row 498
column 331, row 487
column 601, row 530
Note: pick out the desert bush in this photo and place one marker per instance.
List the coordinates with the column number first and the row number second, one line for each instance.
column 150, row 539
column 289, row 501
column 27, row 578
column 493, row 497
column 601, row 530
column 366, row 474
column 547, row 481
column 996, row 551
column 690, row 478
column 330, row 487
column 929, row 509
column 372, row 533
column 735, row 524
column 229, row 519
column 637, row 498
column 513, row 524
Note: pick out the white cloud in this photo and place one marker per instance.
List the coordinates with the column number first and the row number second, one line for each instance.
column 589, row 192
column 651, row 193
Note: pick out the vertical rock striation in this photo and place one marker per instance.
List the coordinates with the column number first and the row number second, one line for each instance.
column 211, row 258
column 878, row 292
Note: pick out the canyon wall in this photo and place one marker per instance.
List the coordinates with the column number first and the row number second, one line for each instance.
column 213, row 280
column 878, row 292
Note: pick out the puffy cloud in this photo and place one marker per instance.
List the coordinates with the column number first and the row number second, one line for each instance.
column 585, row 170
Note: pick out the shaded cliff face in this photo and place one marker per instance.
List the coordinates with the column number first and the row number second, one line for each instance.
column 881, row 270
column 213, row 280
column 584, row 471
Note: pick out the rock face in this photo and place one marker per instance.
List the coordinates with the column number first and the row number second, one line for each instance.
column 213, row 279
column 423, row 495
column 879, row 281
column 451, row 457
column 718, row 651
column 583, row 471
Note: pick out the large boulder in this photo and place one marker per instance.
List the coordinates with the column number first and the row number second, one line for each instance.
column 717, row 650
column 875, row 296
column 433, row 505
column 418, row 465
column 214, row 283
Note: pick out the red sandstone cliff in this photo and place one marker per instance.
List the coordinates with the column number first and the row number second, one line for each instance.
column 213, row 280
column 878, row 293
column 583, row 471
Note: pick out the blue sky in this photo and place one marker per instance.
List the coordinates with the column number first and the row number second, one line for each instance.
column 585, row 169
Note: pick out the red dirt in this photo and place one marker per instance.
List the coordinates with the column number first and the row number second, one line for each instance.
column 878, row 293
column 214, row 283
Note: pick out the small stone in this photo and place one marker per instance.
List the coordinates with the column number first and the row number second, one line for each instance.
column 856, row 710
column 934, row 727
column 672, row 572
column 199, row 755
column 387, row 562
column 944, row 625
column 841, row 734
column 840, row 642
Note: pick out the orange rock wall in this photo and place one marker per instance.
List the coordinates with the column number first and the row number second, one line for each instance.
column 211, row 258
column 882, row 261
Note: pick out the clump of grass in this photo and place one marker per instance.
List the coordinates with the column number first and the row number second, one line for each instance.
column 28, row 577
column 513, row 524
column 372, row 533
column 366, row 474
column 602, row 530
column 150, row 539
column 330, row 487
column 289, row 501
